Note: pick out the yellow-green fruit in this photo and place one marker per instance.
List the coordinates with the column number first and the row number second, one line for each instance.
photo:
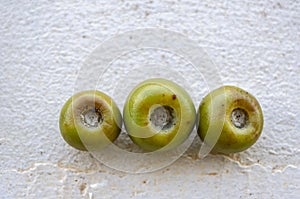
column 230, row 119
column 90, row 120
column 159, row 114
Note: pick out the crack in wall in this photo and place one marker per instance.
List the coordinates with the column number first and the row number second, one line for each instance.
column 34, row 166
column 272, row 169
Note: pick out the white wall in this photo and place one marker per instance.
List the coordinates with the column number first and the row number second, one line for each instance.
column 254, row 44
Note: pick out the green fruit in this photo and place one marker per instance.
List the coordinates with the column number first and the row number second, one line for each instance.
column 230, row 120
column 90, row 120
column 159, row 114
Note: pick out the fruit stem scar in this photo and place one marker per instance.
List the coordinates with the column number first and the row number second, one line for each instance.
column 91, row 117
column 162, row 117
column 239, row 118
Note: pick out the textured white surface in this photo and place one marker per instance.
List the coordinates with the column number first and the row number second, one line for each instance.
column 255, row 45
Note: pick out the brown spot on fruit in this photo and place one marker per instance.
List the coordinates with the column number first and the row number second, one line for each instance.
column 174, row 97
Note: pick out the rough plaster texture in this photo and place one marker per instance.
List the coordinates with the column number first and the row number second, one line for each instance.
column 255, row 45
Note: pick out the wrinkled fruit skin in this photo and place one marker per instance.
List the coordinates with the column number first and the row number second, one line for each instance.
column 215, row 126
column 83, row 137
column 143, row 99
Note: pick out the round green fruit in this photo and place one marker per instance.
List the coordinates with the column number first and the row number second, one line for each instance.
column 90, row 120
column 159, row 114
column 230, row 120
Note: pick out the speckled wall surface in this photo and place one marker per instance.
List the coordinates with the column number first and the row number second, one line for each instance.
column 254, row 44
